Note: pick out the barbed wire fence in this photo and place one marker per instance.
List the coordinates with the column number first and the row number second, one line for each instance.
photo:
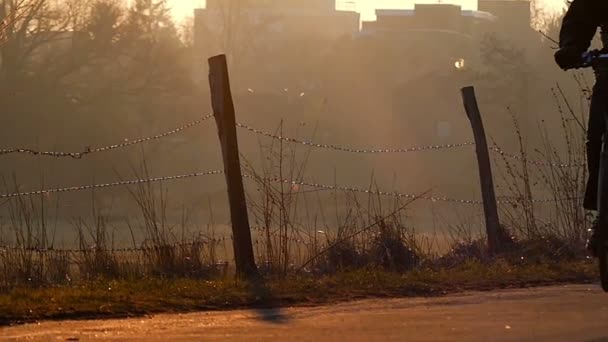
column 79, row 155
column 299, row 182
column 89, row 151
column 309, row 144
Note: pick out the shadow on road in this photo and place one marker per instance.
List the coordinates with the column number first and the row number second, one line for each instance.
column 268, row 309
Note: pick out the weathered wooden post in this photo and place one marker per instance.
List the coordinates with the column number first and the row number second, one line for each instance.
column 493, row 228
column 223, row 109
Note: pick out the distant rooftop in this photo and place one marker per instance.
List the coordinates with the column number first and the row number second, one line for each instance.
column 412, row 12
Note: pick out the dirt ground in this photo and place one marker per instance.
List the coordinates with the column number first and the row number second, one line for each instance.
column 563, row 313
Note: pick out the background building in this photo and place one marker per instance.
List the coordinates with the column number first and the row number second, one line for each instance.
column 270, row 44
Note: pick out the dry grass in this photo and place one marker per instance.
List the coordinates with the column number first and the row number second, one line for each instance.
column 120, row 298
column 545, row 186
column 292, row 232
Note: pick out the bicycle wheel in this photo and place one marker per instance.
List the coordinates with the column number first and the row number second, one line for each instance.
column 603, row 263
column 602, row 233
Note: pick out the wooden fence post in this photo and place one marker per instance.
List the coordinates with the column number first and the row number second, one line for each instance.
column 493, row 228
column 223, row 109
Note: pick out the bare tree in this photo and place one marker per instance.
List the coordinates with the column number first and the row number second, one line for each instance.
column 10, row 16
column 30, row 28
column 234, row 29
column 78, row 73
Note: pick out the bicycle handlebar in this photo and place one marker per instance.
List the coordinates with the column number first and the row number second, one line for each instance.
column 591, row 58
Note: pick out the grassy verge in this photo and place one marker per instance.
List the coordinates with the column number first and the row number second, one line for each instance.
column 124, row 298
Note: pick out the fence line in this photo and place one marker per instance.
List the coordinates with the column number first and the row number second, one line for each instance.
column 206, row 241
column 533, row 162
column 115, row 184
column 94, row 249
column 401, row 195
column 217, row 172
column 274, row 180
column 350, row 149
column 397, row 150
column 224, row 114
column 79, row 155
column 368, row 192
column 515, row 200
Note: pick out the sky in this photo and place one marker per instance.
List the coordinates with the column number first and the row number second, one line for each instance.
column 183, row 8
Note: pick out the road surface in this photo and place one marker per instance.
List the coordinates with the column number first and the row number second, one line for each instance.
column 563, row 313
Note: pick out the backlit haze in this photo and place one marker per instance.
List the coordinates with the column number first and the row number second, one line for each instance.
column 184, row 8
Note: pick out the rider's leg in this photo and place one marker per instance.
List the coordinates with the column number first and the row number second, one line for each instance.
column 595, row 132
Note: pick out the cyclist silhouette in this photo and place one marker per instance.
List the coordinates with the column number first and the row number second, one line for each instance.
column 579, row 26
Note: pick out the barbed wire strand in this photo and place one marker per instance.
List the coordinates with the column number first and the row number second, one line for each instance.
column 79, row 155
column 115, row 184
column 350, row 149
column 94, row 249
column 533, row 162
column 369, row 192
column 275, row 180
column 400, row 195
column 397, row 150
column 260, row 229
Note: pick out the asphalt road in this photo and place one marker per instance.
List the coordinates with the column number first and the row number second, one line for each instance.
column 564, row 313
